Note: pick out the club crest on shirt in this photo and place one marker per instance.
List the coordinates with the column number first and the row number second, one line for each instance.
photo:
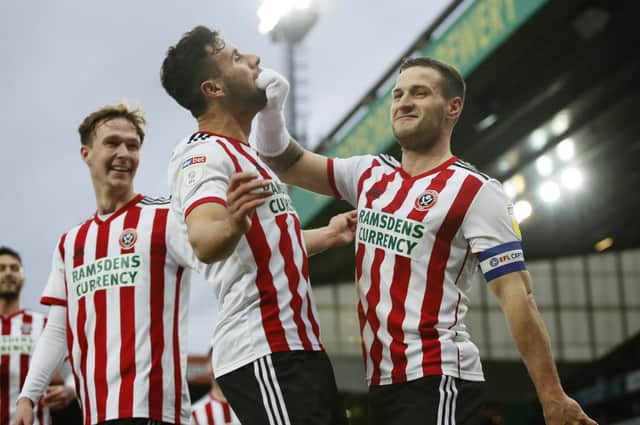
column 128, row 238
column 26, row 328
column 426, row 200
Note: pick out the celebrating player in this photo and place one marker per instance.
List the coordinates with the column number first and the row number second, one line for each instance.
column 428, row 228
column 269, row 360
column 118, row 291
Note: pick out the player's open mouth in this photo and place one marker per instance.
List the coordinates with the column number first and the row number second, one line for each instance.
column 120, row 169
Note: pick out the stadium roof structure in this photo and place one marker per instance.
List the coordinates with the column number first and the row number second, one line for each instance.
column 551, row 79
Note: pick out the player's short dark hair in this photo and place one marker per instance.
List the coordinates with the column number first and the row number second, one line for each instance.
column 187, row 64
column 453, row 83
column 109, row 112
column 5, row 250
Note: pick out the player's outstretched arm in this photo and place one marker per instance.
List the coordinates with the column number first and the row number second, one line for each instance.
column 294, row 164
column 340, row 231
column 47, row 357
column 214, row 230
column 515, row 296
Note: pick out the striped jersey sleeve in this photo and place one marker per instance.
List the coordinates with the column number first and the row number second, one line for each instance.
column 201, row 175
column 54, row 292
column 493, row 233
column 347, row 174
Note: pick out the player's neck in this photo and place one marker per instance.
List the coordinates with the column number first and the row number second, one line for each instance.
column 9, row 307
column 109, row 200
column 225, row 124
column 415, row 162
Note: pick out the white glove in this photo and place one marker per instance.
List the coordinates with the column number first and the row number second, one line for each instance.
column 272, row 137
column 276, row 87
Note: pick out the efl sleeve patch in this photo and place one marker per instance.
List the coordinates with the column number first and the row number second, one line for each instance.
column 502, row 259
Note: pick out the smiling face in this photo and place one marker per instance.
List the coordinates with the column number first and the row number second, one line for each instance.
column 113, row 155
column 11, row 277
column 420, row 112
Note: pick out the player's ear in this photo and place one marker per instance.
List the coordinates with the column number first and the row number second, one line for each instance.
column 212, row 88
column 455, row 108
column 84, row 153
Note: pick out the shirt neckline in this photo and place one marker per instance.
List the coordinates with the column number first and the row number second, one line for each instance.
column 434, row 170
column 118, row 212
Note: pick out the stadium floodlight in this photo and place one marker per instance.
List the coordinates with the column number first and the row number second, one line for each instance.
column 544, row 165
column 288, row 21
column 560, row 123
column 271, row 12
column 509, row 189
column 566, row 149
column 572, row 178
column 538, row 139
column 549, row 191
column 522, row 210
column 514, row 186
column 486, row 122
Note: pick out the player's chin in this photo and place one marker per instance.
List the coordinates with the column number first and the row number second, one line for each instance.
column 403, row 131
column 121, row 180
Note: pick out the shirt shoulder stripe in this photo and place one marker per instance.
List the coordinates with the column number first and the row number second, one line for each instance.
column 471, row 169
column 389, row 160
column 198, row 137
column 148, row 200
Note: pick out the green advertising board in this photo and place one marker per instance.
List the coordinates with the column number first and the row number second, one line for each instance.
column 474, row 35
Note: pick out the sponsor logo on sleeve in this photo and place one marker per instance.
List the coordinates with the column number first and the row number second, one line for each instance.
column 502, row 259
column 194, row 160
column 193, row 175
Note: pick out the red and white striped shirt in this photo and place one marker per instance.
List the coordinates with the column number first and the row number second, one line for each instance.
column 211, row 411
column 20, row 332
column 415, row 262
column 263, row 286
column 124, row 281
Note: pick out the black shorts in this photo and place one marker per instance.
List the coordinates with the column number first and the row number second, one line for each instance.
column 432, row 400
column 286, row 388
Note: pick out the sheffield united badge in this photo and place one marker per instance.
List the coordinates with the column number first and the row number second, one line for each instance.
column 426, row 200
column 128, row 238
